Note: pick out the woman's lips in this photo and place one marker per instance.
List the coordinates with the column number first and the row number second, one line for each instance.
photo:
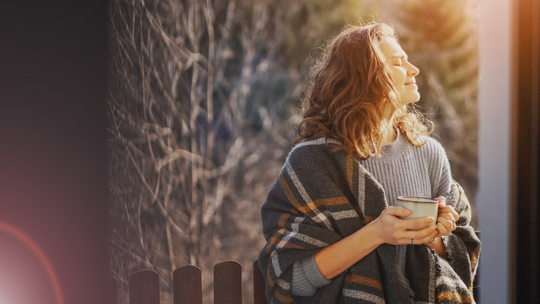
column 410, row 82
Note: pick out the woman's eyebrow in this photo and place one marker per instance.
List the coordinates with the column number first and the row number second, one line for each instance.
column 399, row 56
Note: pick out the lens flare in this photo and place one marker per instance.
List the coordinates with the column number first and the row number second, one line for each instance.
column 25, row 239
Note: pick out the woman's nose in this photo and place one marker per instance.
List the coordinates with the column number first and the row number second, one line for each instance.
column 413, row 71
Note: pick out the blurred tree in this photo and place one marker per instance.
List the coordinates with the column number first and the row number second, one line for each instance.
column 203, row 99
column 441, row 38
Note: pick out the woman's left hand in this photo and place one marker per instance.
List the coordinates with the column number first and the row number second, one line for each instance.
column 446, row 218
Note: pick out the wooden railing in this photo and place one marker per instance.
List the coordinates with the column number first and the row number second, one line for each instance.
column 187, row 285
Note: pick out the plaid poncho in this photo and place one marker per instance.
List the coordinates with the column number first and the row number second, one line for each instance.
column 322, row 197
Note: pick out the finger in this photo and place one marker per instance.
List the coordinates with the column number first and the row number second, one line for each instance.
column 446, row 222
column 419, row 234
column 420, row 240
column 447, row 216
column 443, row 231
column 442, row 201
column 397, row 211
column 417, row 223
column 454, row 213
column 450, row 209
column 430, row 237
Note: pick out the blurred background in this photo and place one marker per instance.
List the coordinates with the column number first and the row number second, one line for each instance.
column 204, row 99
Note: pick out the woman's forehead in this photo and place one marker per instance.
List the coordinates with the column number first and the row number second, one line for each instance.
column 391, row 48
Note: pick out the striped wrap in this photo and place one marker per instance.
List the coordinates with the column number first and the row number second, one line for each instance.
column 322, row 197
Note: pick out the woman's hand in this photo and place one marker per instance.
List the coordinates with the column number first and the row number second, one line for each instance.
column 446, row 218
column 393, row 230
column 387, row 228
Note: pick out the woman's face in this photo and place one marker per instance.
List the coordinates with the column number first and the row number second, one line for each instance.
column 404, row 71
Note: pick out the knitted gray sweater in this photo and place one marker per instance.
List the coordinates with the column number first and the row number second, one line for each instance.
column 402, row 170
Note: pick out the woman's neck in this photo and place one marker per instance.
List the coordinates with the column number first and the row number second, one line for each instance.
column 388, row 135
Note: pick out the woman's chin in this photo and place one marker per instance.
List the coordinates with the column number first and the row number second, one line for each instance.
column 409, row 100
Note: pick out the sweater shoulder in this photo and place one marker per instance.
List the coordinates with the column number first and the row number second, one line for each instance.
column 432, row 147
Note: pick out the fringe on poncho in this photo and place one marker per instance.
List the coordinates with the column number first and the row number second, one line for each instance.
column 322, row 197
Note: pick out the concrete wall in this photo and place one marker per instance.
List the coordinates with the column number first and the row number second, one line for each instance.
column 494, row 149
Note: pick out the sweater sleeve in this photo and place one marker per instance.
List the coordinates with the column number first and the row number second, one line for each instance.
column 439, row 166
column 306, row 278
column 445, row 181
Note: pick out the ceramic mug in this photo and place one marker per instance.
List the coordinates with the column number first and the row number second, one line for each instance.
column 420, row 206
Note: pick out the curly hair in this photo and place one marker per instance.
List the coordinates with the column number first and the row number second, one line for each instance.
column 350, row 90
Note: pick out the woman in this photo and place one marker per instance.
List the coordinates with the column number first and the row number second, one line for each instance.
column 333, row 235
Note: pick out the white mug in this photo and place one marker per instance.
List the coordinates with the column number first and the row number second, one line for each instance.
column 420, row 206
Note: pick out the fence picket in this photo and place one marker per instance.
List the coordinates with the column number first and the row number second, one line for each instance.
column 228, row 283
column 144, row 287
column 259, row 285
column 187, row 285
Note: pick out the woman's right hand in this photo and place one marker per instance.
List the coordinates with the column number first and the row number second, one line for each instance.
column 387, row 228
column 393, row 230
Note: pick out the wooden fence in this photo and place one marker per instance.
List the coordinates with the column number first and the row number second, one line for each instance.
column 187, row 285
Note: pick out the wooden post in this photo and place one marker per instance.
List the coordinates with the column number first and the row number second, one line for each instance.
column 259, row 285
column 144, row 287
column 187, row 285
column 228, row 283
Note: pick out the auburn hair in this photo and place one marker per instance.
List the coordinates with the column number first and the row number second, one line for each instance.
column 350, row 89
